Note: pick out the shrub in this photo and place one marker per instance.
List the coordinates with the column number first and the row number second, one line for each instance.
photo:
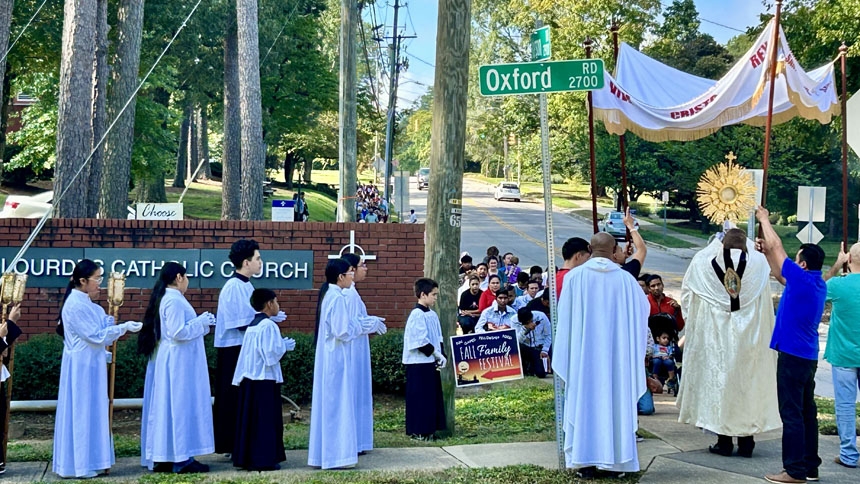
column 386, row 358
column 642, row 209
column 216, row 168
column 298, row 368
column 37, row 368
column 130, row 369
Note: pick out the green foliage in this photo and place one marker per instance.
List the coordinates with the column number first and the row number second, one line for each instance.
column 386, row 356
column 37, row 368
column 642, row 209
column 297, row 367
column 130, row 369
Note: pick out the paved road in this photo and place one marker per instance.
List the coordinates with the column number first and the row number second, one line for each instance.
column 521, row 228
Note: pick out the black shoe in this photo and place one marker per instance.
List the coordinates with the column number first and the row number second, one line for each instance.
column 193, row 467
column 812, row 474
column 723, row 446
column 746, row 446
column 162, row 467
column 586, row 472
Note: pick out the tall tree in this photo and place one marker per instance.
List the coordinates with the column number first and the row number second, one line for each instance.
column 347, row 152
column 182, row 154
column 193, row 148
column 447, row 154
column 100, row 83
column 231, row 175
column 202, row 122
column 74, row 115
column 253, row 154
column 113, row 190
column 6, row 8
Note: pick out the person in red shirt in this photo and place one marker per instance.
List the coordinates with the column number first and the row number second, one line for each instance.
column 661, row 303
column 576, row 252
column 489, row 296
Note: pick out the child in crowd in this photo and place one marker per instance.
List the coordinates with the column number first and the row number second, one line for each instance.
column 664, row 359
column 260, row 425
column 513, row 269
column 424, row 359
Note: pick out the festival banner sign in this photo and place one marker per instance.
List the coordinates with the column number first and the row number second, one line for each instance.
column 483, row 358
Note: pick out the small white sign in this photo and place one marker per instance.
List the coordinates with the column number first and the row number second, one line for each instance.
column 665, row 197
column 853, row 122
column 758, row 179
column 159, row 211
column 810, row 204
column 282, row 210
column 809, row 235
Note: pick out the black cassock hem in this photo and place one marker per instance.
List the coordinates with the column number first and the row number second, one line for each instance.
column 226, row 399
column 425, row 409
column 259, row 426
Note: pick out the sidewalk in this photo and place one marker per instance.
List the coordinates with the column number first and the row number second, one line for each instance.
column 678, row 455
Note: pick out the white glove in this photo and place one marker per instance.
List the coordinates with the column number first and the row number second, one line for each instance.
column 368, row 324
column 380, row 327
column 441, row 361
column 281, row 316
column 108, row 356
column 132, row 326
column 290, row 343
column 206, row 318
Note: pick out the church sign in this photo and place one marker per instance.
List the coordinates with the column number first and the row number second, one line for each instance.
column 483, row 358
column 207, row 268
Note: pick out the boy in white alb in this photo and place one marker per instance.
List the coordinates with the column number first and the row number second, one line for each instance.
column 260, row 424
column 424, row 359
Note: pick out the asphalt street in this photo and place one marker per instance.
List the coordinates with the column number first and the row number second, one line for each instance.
column 520, row 227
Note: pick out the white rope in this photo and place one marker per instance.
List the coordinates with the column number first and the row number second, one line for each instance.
column 47, row 215
column 22, row 31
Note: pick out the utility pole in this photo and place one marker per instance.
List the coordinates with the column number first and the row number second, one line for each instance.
column 347, row 146
column 447, row 153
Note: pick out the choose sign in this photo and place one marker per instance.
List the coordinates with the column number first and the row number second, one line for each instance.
column 541, row 77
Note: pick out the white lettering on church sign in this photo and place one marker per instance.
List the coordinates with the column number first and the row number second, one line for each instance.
column 207, row 268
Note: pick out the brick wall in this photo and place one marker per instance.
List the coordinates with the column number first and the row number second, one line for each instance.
column 387, row 291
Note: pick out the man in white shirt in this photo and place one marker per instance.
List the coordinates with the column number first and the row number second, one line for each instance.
column 413, row 219
column 499, row 316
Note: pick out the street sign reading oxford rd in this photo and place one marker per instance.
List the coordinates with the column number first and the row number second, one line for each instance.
column 541, row 77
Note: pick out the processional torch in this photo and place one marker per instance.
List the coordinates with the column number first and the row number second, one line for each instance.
column 116, row 294
column 11, row 292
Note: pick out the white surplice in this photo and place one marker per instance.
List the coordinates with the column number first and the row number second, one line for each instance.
column 180, row 413
column 261, row 353
column 363, row 376
column 729, row 376
column 599, row 353
column 83, row 445
column 333, row 435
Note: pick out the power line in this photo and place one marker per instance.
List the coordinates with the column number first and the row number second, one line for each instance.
column 710, row 21
column 22, row 31
column 419, row 59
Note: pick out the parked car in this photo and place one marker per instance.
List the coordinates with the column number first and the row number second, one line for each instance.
column 423, row 178
column 613, row 224
column 22, row 206
column 507, row 190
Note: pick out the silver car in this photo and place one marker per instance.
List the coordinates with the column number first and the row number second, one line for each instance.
column 613, row 224
column 507, row 190
column 423, row 178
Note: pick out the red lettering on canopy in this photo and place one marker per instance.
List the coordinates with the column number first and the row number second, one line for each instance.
column 758, row 58
column 686, row 113
column 617, row 92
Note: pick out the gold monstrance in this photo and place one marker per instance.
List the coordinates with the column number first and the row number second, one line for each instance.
column 11, row 292
column 726, row 192
column 116, row 296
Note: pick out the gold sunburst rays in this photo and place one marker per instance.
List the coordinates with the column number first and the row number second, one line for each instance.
column 726, row 192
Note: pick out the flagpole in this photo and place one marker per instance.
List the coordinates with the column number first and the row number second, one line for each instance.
column 843, row 51
column 622, row 148
column 774, row 49
column 587, row 45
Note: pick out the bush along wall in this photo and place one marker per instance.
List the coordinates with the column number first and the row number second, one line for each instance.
column 38, row 361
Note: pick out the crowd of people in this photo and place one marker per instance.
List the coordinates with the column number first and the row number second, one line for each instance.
column 370, row 207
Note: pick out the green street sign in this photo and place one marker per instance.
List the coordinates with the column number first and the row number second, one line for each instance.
column 541, row 77
column 541, row 44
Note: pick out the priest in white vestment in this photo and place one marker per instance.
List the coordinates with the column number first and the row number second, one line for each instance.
column 729, row 378
column 599, row 353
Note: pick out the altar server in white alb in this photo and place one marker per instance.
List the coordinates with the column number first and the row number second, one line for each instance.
column 361, row 355
column 727, row 302
column 179, row 420
column 599, row 353
column 83, row 446
column 260, row 425
column 234, row 314
column 424, row 359
column 333, row 438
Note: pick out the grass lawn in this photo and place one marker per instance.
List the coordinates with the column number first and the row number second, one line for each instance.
column 203, row 202
column 827, row 416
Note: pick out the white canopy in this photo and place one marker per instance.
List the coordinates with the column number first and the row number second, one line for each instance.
column 660, row 103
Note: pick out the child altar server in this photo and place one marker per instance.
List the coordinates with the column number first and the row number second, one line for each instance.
column 260, row 425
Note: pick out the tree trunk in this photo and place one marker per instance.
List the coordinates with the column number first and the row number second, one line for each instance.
column 4, row 118
column 150, row 184
column 6, row 7
column 74, row 113
column 193, row 149
column 250, row 106
column 231, row 162
column 100, row 82
column 447, row 156
column 307, row 168
column 182, row 154
column 348, row 147
column 289, row 168
column 120, row 141
column 205, row 172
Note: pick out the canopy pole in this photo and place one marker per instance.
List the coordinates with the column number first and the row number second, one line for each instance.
column 622, row 148
column 843, row 51
column 774, row 50
column 587, row 45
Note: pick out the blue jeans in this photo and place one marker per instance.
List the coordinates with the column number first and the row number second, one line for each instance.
column 845, row 382
column 658, row 364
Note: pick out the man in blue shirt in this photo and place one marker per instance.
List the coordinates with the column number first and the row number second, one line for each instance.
column 795, row 338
